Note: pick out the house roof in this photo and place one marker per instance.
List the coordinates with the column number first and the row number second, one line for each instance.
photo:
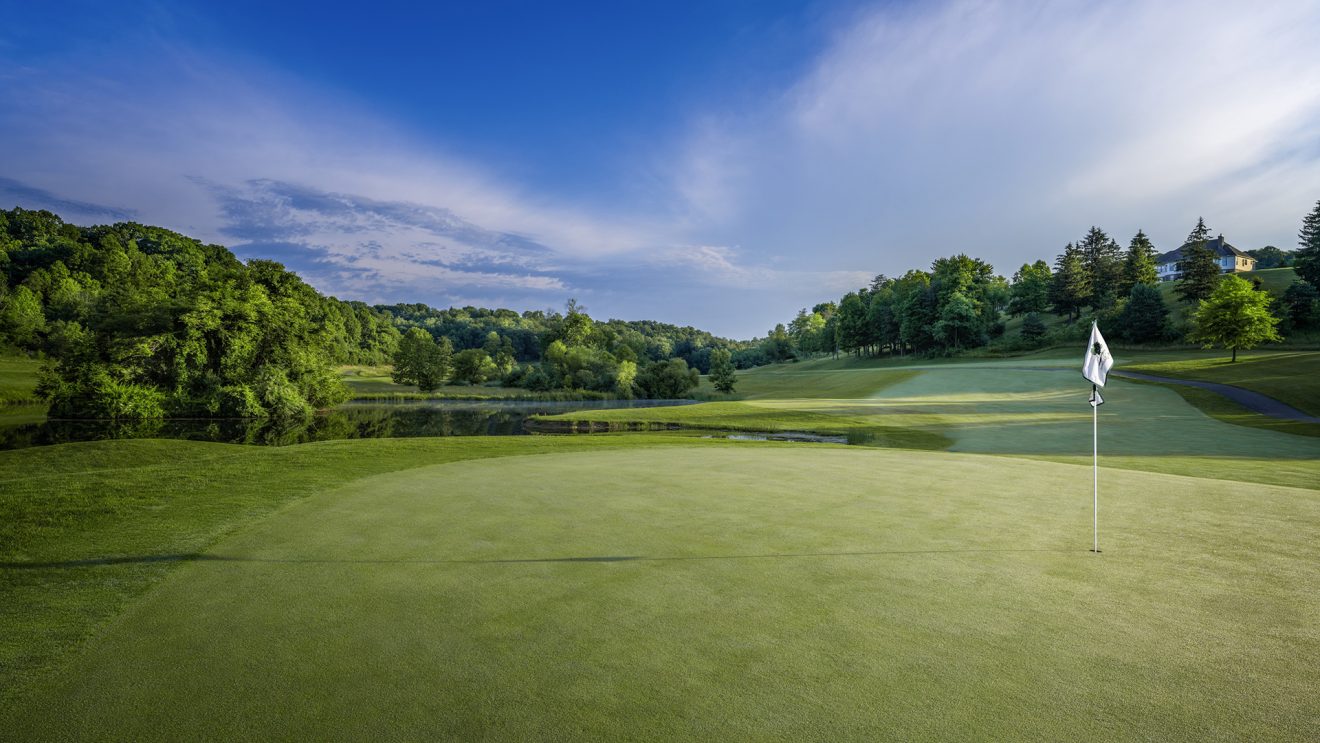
column 1219, row 246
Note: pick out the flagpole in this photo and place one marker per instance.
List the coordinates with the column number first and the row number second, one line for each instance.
column 1095, row 472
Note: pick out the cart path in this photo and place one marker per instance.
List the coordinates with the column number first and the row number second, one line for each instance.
column 1253, row 401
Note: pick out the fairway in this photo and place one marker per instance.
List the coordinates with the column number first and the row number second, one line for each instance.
column 734, row 592
column 1031, row 407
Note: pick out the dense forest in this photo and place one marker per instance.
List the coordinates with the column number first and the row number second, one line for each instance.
column 142, row 322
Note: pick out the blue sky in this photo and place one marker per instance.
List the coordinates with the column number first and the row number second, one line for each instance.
column 719, row 164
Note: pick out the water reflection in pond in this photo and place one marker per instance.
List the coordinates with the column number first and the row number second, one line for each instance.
column 351, row 421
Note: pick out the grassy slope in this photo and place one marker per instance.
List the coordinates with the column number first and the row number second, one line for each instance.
column 1273, row 280
column 375, row 382
column 793, row 594
column 18, row 379
column 1292, row 377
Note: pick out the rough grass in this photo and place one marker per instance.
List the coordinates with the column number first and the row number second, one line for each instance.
column 725, row 594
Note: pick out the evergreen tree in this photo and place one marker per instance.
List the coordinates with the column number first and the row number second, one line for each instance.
column 1199, row 234
column 1103, row 261
column 1307, row 258
column 721, row 370
column 1139, row 264
column 1234, row 316
column 1033, row 327
column 1200, row 272
column 1072, row 283
column 1302, row 303
column 1144, row 317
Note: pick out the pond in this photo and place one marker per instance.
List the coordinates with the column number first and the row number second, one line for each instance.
column 349, row 421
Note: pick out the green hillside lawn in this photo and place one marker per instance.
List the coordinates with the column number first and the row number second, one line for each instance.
column 1273, row 280
column 789, row 594
column 374, row 382
column 1292, row 377
column 18, row 380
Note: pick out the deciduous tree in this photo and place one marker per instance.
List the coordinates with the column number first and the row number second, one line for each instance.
column 1234, row 316
column 422, row 361
column 721, row 370
column 1031, row 289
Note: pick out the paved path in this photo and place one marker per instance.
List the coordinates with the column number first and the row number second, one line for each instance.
column 1253, row 401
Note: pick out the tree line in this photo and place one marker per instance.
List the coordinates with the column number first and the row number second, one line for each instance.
column 573, row 352
column 142, row 322
column 547, row 349
column 960, row 303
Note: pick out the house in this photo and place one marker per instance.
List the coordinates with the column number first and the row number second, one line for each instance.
column 1231, row 260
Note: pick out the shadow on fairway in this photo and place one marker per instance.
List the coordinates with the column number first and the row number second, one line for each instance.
column 193, row 557
column 100, row 561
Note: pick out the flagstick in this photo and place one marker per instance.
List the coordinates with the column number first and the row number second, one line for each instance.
column 1095, row 472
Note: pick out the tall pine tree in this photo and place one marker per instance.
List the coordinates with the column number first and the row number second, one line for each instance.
column 1071, row 282
column 1307, row 260
column 1199, row 265
column 1104, row 264
column 1139, row 265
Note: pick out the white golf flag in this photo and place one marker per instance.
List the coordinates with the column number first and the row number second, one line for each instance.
column 1098, row 361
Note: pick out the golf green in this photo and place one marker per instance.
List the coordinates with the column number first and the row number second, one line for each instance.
column 718, row 593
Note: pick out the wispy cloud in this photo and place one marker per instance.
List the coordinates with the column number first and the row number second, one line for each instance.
column 280, row 170
column 1006, row 128
column 998, row 128
column 15, row 193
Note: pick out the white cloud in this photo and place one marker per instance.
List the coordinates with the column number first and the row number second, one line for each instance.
column 1003, row 129
column 1007, row 128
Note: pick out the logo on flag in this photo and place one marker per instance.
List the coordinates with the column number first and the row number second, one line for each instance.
column 1098, row 362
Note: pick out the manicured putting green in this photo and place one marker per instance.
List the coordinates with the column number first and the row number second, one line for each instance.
column 760, row 593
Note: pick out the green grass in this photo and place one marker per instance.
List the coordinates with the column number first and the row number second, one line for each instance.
column 1292, row 377
column 778, row 594
column 1024, row 407
column 403, row 589
column 1221, row 408
column 156, row 498
column 375, row 383
column 18, row 380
